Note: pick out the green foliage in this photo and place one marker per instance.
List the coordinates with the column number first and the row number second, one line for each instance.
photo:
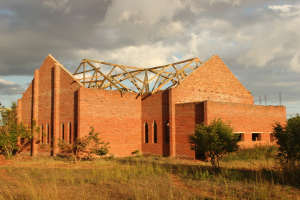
column 87, row 147
column 288, row 139
column 257, row 153
column 11, row 132
column 214, row 140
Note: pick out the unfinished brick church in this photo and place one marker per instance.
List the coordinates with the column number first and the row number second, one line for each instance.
column 153, row 110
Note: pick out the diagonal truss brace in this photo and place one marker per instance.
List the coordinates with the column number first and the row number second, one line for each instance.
column 104, row 75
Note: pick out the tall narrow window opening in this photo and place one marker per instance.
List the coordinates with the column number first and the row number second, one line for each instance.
column 146, row 133
column 62, row 131
column 42, row 136
column 154, row 132
column 48, row 134
column 70, row 133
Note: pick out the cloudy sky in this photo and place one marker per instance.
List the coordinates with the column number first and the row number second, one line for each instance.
column 258, row 39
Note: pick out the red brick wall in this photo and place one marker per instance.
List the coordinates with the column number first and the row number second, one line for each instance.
column 120, row 119
column 66, row 89
column 185, row 121
column 68, row 104
column 244, row 118
column 152, row 110
column 116, row 118
column 214, row 81
column 44, row 101
column 45, row 97
column 27, row 105
column 247, row 119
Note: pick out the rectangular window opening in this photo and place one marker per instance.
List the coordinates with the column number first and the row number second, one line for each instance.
column 240, row 136
column 256, row 136
column 272, row 138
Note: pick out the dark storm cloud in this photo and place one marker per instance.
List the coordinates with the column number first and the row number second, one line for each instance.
column 258, row 39
column 35, row 29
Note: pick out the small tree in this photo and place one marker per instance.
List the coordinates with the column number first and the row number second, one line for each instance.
column 214, row 140
column 11, row 132
column 86, row 147
column 288, row 139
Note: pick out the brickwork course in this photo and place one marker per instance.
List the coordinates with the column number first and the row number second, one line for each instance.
column 159, row 124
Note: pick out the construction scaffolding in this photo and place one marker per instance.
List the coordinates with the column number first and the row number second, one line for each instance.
column 104, row 75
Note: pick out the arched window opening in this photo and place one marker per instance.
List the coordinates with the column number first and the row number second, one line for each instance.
column 62, row 131
column 154, row 132
column 146, row 133
column 70, row 133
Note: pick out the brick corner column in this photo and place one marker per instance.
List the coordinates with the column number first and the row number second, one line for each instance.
column 172, row 124
column 19, row 115
column 35, row 116
column 19, row 111
column 56, row 109
column 79, row 94
column 205, row 113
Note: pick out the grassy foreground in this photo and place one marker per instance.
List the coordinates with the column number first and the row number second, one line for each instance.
column 248, row 174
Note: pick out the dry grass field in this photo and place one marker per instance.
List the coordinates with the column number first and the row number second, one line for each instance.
column 248, row 174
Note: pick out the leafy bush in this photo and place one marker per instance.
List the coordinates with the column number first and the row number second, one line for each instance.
column 87, row 147
column 256, row 153
column 214, row 141
column 288, row 139
column 11, row 132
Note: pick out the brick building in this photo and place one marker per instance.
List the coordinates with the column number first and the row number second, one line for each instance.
column 65, row 108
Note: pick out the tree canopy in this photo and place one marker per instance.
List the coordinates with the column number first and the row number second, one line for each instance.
column 214, row 140
column 288, row 140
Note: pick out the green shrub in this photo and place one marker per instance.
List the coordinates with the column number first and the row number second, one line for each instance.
column 214, row 140
column 256, row 153
column 288, row 139
column 11, row 131
column 87, row 147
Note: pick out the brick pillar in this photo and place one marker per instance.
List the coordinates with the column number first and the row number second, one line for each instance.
column 56, row 110
column 19, row 115
column 205, row 122
column 78, row 114
column 67, row 132
column 35, row 116
column 19, row 111
column 247, row 137
column 172, row 124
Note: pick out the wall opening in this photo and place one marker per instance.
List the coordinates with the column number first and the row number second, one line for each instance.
column 42, row 136
column 272, row 138
column 154, row 132
column 48, row 134
column 167, row 132
column 63, row 131
column 146, row 133
column 240, row 136
column 165, row 123
column 256, row 136
column 70, row 133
